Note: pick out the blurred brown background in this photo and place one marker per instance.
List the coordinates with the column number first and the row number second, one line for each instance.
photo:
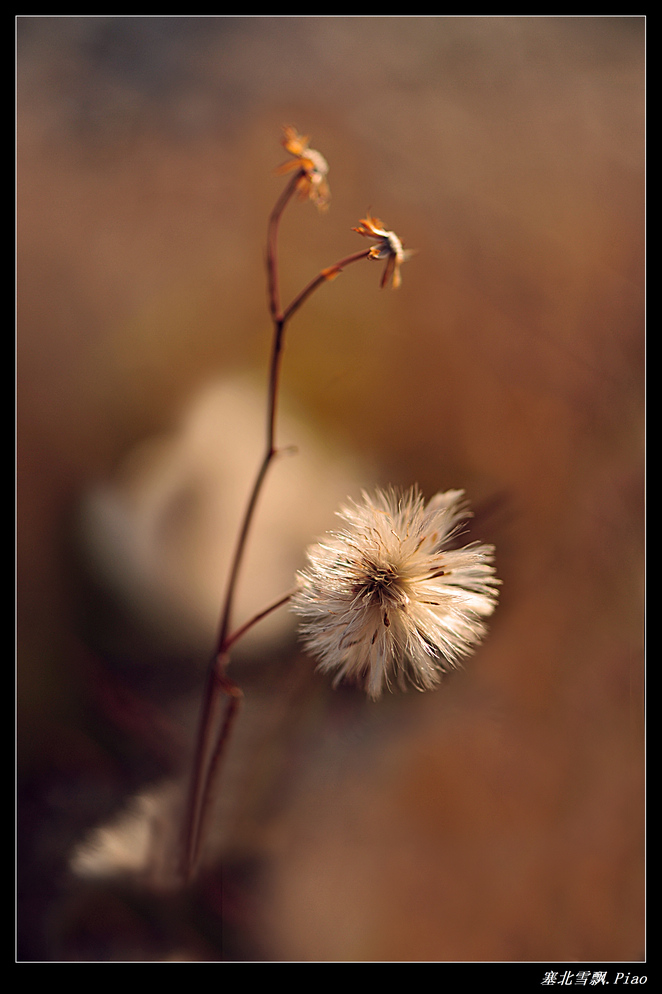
column 501, row 817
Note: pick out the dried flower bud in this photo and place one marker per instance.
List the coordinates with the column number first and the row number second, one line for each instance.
column 312, row 184
column 388, row 247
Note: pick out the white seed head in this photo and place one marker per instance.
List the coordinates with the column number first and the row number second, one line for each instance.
column 384, row 600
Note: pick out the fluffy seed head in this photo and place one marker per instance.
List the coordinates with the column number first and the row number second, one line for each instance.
column 384, row 599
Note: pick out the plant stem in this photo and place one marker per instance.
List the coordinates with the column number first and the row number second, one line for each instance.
column 207, row 764
column 214, row 731
column 272, row 245
column 240, row 632
column 327, row 274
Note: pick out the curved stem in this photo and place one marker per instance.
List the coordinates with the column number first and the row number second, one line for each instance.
column 274, row 369
column 221, row 644
column 208, row 752
column 241, row 631
column 207, row 762
column 214, row 731
column 327, row 274
column 272, row 246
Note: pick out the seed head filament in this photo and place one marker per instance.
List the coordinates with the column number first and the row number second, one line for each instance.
column 380, row 585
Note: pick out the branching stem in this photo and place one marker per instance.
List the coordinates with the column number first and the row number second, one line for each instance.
column 215, row 725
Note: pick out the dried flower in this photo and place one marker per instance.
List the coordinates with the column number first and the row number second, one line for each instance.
column 384, row 599
column 388, row 247
column 312, row 183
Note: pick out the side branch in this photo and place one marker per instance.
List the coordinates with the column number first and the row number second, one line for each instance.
column 325, row 276
column 209, row 750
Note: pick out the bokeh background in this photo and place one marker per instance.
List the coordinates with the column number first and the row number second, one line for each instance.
column 498, row 818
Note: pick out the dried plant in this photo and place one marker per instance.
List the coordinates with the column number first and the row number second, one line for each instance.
column 386, row 599
column 382, row 601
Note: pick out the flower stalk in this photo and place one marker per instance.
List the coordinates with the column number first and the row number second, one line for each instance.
column 215, row 723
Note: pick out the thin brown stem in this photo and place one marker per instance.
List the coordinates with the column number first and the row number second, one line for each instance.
column 240, row 632
column 207, row 763
column 239, row 550
column 272, row 244
column 207, row 760
column 327, row 274
column 235, row 698
column 280, row 322
column 214, row 730
column 207, row 757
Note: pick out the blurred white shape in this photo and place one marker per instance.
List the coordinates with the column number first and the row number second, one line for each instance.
column 139, row 841
column 160, row 537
